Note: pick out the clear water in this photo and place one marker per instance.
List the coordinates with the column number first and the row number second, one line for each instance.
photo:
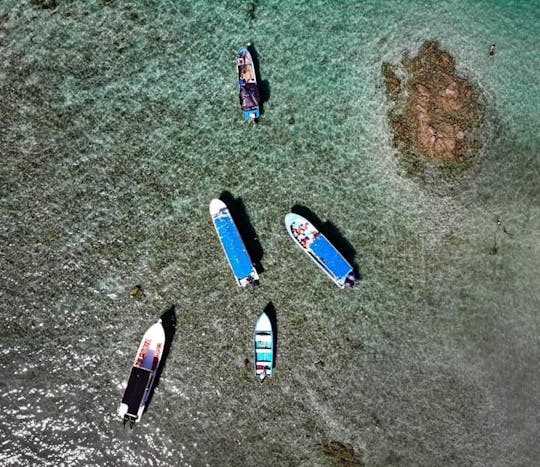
column 120, row 122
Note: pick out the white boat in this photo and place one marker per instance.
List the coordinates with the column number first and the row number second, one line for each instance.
column 142, row 374
column 235, row 251
column 320, row 250
column 263, row 347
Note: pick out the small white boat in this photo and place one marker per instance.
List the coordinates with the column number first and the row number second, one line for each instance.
column 320, row 250
column 263, row 347
column 142, row 374
column 235, row 251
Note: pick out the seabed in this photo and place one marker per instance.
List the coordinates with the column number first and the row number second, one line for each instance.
column 119, row 122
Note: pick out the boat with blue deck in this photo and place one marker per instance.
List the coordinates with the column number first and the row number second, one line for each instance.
column 247, row 84
column 235, row 251
column 320, row 250
column 263, row 347
column 142, row 374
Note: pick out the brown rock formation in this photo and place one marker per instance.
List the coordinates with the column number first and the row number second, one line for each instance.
column 435, row 111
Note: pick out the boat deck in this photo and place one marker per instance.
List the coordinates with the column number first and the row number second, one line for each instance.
column 233, row 245
column 329, row 257
column 133, row 397
column 246, row 73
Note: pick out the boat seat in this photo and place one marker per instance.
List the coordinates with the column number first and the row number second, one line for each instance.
column 265, row 357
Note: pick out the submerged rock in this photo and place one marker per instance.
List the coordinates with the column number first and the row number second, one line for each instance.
column 341, row 454
column 435, row 111
column 137, row 292
column 45, row 4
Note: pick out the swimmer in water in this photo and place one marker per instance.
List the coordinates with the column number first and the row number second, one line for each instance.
column 491, row 52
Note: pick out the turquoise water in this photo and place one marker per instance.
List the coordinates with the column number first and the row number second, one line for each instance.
column 120, row 122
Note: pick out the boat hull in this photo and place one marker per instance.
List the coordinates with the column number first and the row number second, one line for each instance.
column 263, row 347
column 142, row 374
column 247, row 85
column 320, row 250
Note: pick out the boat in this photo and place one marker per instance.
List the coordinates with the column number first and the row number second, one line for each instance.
column 263, row 347
column 235, row 251
column 247, row 84
column 320, row 250
column 142, row 374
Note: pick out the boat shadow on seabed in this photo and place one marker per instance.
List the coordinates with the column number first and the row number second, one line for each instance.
column 332, row 233
column 245, row 229
column 168, row 321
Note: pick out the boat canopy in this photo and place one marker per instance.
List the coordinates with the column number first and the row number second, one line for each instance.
column 249, row 96
column 137, row 384
column 234, row 247
column 330, row 258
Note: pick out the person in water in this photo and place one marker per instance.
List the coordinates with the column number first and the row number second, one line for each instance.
column 492, row 48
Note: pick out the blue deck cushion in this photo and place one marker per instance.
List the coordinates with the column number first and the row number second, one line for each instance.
column 264, row 356
column 330, row 258
column 247, row 114
column 233, row 246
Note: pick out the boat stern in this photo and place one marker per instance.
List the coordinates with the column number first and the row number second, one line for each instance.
column 249, row 281
column 123, row 410
column 127, row 417
column 350, row 281
column 252, row 115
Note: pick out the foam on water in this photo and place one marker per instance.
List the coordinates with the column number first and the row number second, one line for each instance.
column 120, row 122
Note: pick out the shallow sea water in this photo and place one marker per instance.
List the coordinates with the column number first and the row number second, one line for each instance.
column 120, row 122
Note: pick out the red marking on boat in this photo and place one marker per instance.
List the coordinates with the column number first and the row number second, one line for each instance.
column 143, row 351
column 157, row 355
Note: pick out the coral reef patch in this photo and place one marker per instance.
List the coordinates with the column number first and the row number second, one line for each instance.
column 340, row 454
column 436, row 111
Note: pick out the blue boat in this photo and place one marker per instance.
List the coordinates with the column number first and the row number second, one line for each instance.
column 233, row 246
column 320, row 250
column 263, row 347
column 247, row 84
